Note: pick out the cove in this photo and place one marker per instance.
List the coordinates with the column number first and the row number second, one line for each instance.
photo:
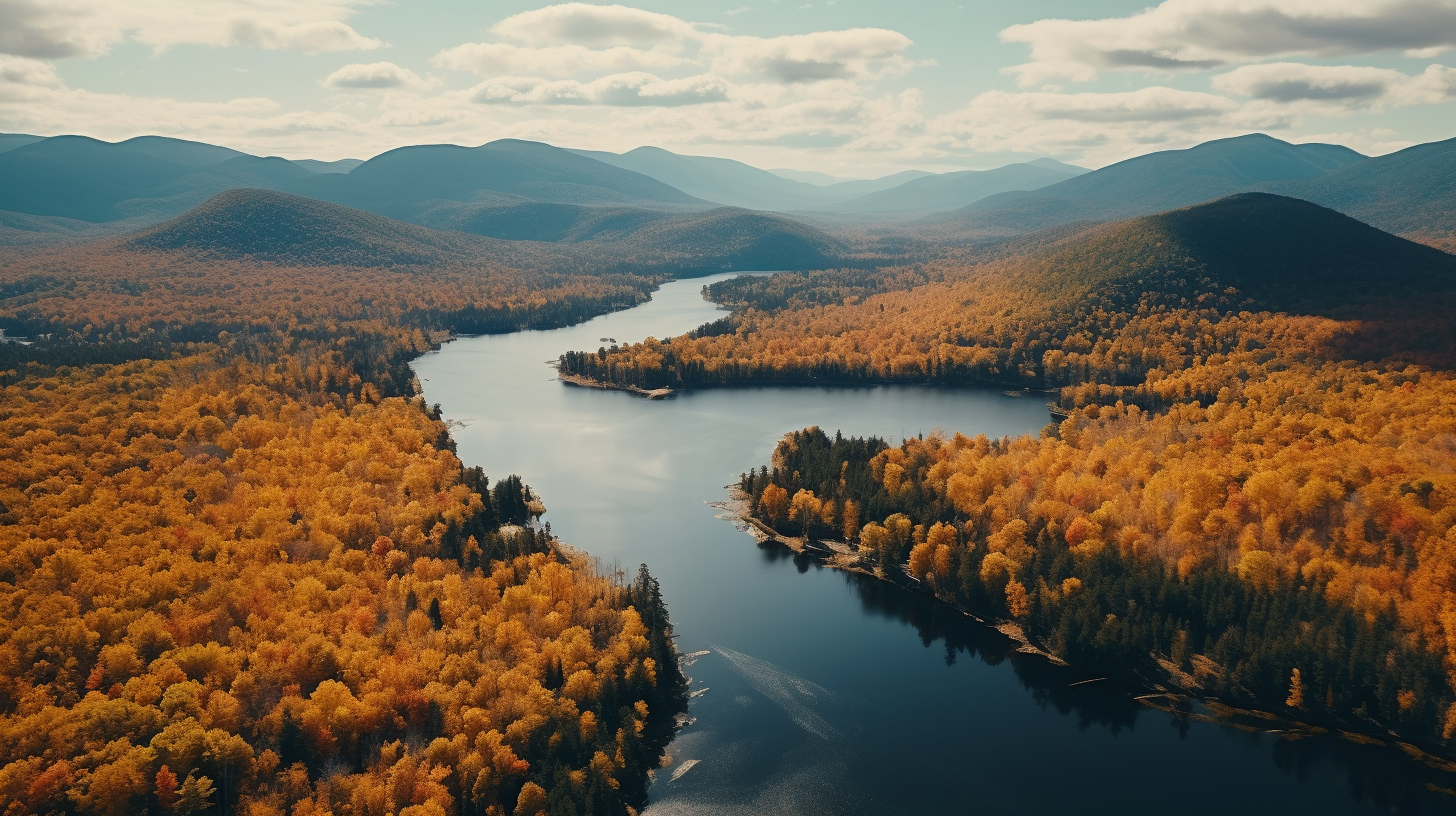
column 825, row 692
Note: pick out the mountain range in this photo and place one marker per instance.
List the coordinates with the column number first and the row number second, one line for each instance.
column 73, row 187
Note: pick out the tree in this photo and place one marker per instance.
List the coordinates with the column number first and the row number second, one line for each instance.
column 194, row 796
column 1016, row 601
column 532, row 800
column 773, row 503
column 1296, row 690
column 851, row 519
column 166, row 789
column 805, row 508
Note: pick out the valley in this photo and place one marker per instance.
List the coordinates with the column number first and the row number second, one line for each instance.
column 263, row 397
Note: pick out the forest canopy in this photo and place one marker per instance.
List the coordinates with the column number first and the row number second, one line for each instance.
column 243, row 570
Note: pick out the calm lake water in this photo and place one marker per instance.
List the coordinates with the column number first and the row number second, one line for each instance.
column 828, row 693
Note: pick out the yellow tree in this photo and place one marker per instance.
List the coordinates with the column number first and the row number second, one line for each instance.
column 773, row 503
column 805, row 508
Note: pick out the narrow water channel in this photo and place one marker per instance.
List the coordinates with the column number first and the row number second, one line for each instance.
column 827, row 693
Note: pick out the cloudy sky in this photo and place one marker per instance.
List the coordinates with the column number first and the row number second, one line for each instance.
column 850, row 87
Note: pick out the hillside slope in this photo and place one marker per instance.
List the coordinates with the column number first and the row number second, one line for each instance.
column 1280, row 253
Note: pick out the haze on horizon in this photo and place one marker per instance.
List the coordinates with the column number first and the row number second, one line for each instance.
column 846, row 87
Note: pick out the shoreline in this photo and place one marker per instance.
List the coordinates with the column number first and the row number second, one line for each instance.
column 1056, row 412
column 587, row 382
column 1177, row 692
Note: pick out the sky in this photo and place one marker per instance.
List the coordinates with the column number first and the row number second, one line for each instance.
column 854, row 88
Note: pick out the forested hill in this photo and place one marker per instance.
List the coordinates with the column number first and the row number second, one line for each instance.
column 277, row 227
column 729, row 238
column 1279, row 253
column 274, row 227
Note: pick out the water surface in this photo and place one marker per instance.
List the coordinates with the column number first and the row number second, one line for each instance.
column 829, row 693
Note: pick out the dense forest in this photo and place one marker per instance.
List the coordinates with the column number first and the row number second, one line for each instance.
column 1252, row 483
column 243, row 571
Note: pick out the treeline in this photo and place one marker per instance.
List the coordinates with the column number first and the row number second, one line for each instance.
column 243, row 570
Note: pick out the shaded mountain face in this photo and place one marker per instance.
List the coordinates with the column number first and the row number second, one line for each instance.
column 1155, row 183
column 280, row 228
column 1278, row 253
column 1411, row 192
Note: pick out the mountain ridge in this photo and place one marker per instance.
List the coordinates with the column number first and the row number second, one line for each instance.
column 1140, row 185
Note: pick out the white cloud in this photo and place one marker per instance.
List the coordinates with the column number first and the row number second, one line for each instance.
column 1092, row 127
column 1337, row 89
column 1182, row 35
column 374, row 75
column 304, row 122
column 54, row 29
column 620, row 90
column 583, row 24
column 317, row 37
column 853, row 53
column 28, row 73
column 504, row 59
column 578, row 40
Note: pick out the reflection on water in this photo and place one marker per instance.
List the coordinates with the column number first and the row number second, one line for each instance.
column 1380, row 775
column 829, row 692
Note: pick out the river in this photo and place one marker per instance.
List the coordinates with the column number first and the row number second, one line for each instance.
column 824, row 692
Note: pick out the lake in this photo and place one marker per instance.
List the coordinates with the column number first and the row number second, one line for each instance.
column 829, row 693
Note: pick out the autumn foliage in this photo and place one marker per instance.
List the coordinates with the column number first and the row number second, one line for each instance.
column 242, row 571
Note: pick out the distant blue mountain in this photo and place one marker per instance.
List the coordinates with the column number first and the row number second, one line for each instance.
column 1411, row 192
column 86, row 179
column 736, row 184
column 1158, row 182
column 74, row 180
column 408, row 181
column 949, row 191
